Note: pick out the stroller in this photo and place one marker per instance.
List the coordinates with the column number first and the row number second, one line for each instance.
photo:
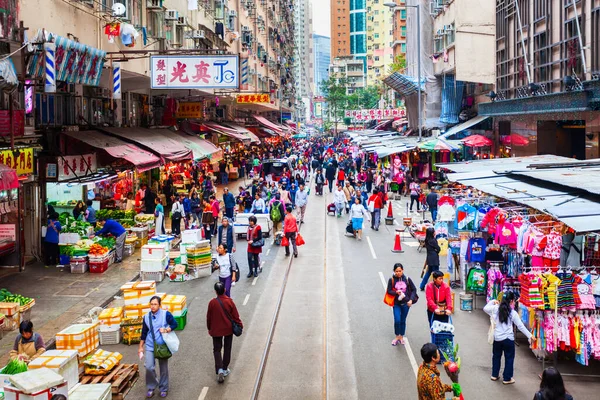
column 331, row 209
column 350, row 230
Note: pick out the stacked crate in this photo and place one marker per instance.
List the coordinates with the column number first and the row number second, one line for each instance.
column 154, row 262
column 176, row 305
column 110, row 325
column 81, row 337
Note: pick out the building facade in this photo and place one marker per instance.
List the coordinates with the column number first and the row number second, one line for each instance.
column 380, row 39
column 322, row 59
column 350, row 68
column 358, row 30
column 303, row 57
column 340, row 28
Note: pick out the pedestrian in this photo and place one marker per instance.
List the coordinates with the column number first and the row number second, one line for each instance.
column 339, row 200
column 90, row 214
column 223, row 172
column 276, row 211
column 439, row 299
column 221, row 312
column 552, row 386
column 341, row 176
column 159, row 217
column 290, row 230
column 405, row 295
column 51, row 248
column 187, row 209
column 429, row 383
column 375, row 204
column 357, row 214
column 226, row 236
column 293, row 191
column 196, row 209
column 255, row 243
column 177, row 212
column 433, row 258
column 229, row 202
column 432, row 203
column 330, row 175
column 349, row 192
column 156, row 322
column 207, row 219
column 319, row 182
column 415, row 191
column 78, row 210
column 504, row 316
column 114, row 228
column 302, row 201
column 216, row 209
column 228, row 269
column 258, row 205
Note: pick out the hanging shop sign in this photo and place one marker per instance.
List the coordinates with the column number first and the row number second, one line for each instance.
column 21, row 160
column 194, row 72
column 253, row 98
column 189, row 110
column 8, row 232
column 18, row 123
column 73, row 62
column 375, row 113
column 76, row 166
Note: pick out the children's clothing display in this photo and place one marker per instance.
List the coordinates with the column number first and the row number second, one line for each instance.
column 476, row 250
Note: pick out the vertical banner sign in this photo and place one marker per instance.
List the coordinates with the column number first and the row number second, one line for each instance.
column 50, row 81
column 244, row 73
column 117, row 81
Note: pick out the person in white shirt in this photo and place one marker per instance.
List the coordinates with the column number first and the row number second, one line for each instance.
column 177, row 212
column 258, row 205
column 339, row 199
column 357, row 214
column 504, row 316
column 228, row 269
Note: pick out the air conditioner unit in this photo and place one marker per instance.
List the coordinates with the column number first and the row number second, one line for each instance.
column 152, row 4
column 172, row 15
column 182, row 21
column 198, row 34
column 120, row 9
column 232, row 13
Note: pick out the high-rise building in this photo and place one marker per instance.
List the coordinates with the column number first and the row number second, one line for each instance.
column 358, row 30
column 303, row 60
column 322, row 59
column 380, row 40
column 340, row 28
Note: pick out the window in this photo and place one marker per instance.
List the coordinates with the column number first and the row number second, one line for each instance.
column 438, row 44
column 403, row 31
column 450, row 32
column 377, row 36
column 403, row 47
column 403, row 14
column 156, row 26
column 376, row 12
column 376, row 58
column 595, row 44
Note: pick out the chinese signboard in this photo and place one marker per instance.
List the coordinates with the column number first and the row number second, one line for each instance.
column 76, row 166
column 194, row 72
column 375, row 114
column 254, row 98
column 18, row 122
column 189, row 110
column 8, row 232
column 21, row 160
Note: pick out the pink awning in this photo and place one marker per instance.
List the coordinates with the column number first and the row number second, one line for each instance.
column 143, row 160
column 244, row 131
column 232, row 133
column 8, row 178
column 162, row 142
column 201, row 148
column 268, row 124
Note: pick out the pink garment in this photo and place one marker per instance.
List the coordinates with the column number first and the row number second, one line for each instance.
column 553, row 246
column 533, row 242
column 505, row 234
column 537, row 261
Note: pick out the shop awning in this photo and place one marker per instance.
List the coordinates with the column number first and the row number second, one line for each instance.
column 201, row 148
column 465, row 125
column 268, row 124
column 8, row 178
column 240, row 129
column 404, row 84
column 161, row 142
column 232, row 133
column 143, row 160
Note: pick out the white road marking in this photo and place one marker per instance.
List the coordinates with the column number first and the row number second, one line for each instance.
column 412, row 244
column 203, row 393
column 411, row 356
column 371, row 247
column 382, row 280
column 396, row 223
column 246, row 299
column 268, row 251
column 254, row 281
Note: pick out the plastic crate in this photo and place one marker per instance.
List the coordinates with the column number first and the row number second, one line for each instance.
column 445, row 343
column 152, row 276
column 110, row 337
column 79, row 267
column 64, row 259
column 181, row 321
column 98, row 267
column 131, row 330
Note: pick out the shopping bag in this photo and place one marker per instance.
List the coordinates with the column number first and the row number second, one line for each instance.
column 285, row 241
column 299, row 240
column 388, row 299
column 172, row 341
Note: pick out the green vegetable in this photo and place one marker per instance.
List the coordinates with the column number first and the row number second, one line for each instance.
column 14, row 367
column 8, row 297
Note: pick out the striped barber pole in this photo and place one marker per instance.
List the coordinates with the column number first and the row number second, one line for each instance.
column 244, row 73
column 117, row 81
column 50, row 67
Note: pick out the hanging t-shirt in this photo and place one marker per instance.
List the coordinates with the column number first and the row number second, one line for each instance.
column 443, row 243
column 465, row 218
column 476, row 250
column 446, row 212
column 505, row 234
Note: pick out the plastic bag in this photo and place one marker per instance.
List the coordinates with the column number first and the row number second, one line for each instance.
column 172, row 341
column 285, row 241
column 299, row 240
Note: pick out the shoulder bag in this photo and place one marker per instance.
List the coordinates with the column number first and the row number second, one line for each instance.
column 237, row 329
column 234, row 267
column 161, row 351
column 259, row 241
column 388, row 298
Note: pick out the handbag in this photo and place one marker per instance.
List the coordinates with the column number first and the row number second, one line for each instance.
column 371, row 206
column 388, row 298
column 161, row 351
column 235, row 327
column 491, row 330
column 257, row 242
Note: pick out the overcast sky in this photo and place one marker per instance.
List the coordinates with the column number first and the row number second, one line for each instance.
column 321, row 17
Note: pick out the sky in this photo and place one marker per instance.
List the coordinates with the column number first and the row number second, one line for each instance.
column 321, row 19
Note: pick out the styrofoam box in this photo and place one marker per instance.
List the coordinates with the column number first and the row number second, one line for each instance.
column 191, row 236
column 154, row 251
column 12, row 393
column 63, row 362
column 98, row 391
column 34, row 381
column 154, row 265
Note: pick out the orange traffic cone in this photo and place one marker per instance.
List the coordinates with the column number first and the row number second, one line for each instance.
column 389, row 220
column 397, row 244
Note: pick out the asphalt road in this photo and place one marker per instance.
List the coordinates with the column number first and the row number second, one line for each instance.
column 332, row 338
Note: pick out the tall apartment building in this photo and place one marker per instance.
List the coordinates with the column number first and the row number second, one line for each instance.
column 358, row 30
column 340, row 28
column 322, row 59
column 352, row 69
column 547, row 67
column 380, row 40
column 303, row 60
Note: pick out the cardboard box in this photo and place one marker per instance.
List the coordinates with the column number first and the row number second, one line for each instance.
column 136, row 293
column 81, row 337
column 156, row 251
column 110, row 319
column 12, row 393
column 191, row 236
column 174, row 304
column 63, row 362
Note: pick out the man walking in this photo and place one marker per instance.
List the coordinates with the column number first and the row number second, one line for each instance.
column 330, row 175
column 229, row 201
column 221, row 312
column 432, row 202
column 290, row 229
column 375, row 204
column 226, row 236
column 302, row 201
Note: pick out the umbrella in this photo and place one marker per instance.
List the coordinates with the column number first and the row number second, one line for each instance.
column 477, row 141
column 515, row 139
column 438, row 144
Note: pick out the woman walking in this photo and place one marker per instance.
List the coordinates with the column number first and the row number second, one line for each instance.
column 156, row 322
column 415, row 191
column 51, row 248
column 290, row 230
column 433, row 258
column 159, row 217
column 405, row 295
column 552, row 386
column 227, row 267
column 357, row 214
column 504, row 316
column 254, row 236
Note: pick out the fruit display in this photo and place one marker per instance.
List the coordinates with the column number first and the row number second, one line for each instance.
column 115, row 214
column 144, row 218
column 127, row 223
column 8, row 297
column 97, row 250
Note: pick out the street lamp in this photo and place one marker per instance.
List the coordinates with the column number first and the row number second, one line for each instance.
column 395, row 7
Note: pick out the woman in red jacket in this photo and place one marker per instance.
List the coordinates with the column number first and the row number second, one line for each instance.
column 290, row 230
column 255, row 243
column 221, row 310
column 439, row 299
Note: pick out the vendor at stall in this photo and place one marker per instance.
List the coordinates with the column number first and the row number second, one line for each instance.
column 112, row 227
column 28, row 345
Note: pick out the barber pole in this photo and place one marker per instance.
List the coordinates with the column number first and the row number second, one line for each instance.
column 116, row 81
column 50, row 66
column 244, row 73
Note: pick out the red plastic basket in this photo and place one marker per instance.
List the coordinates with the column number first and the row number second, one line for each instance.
column 98, row 267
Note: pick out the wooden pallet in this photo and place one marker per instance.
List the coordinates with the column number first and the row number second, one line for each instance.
column 122, row 378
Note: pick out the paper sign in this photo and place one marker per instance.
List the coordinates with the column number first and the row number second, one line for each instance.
column 8, row 232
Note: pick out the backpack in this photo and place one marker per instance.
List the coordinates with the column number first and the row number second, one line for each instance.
column 276, row 212
column 234, row 267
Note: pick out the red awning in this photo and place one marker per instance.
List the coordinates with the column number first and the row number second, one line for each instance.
column 243, row 131
column 162, row 142
column 201, row 148
column 232, row 133
column 8, row 178
column 143, row 160
column 268, row 124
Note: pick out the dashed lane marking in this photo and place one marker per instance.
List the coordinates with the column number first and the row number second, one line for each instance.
column 382, row 280
column 203, row 393
column 371, row 247
column 268, row 251
column 246, row 299
column 254, row 281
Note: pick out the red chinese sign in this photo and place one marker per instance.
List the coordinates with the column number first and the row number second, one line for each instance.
column 379, row 113
column 76, row 166
column 18, row 122
column 254, row 98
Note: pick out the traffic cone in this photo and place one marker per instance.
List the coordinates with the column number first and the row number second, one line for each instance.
column 397, row 244
column 389, row 220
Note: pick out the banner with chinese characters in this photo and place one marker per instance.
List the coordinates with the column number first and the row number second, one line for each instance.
column 70, row 167
column 189, row 110
column 379, row 113
column 21, row 160
column 254, row 98
column 194, row 72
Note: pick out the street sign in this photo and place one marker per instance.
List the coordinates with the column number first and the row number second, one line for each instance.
column 253, row 98
column 376, row 113
column 194, row 72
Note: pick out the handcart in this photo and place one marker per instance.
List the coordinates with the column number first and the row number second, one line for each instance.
column 442, row 335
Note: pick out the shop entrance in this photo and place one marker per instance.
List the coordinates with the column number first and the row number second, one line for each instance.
column 562, row 138
column 32, row 217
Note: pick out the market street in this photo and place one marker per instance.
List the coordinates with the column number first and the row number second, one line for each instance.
column 333, row 334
